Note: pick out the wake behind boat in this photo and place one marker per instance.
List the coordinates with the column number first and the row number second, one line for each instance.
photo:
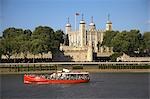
column 60, row 77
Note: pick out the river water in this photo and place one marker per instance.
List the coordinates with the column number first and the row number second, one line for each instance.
column 101, row 86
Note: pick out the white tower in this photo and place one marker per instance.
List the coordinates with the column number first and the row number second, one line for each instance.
column 108, row 24
column 68, row 27
column 82, row 33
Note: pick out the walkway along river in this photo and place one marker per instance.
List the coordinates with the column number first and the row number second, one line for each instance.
column 8, row 68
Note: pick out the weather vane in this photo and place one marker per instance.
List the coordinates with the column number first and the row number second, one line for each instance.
column 92, row 19
column 82, row 16
column 68, row 19
column 108, row 16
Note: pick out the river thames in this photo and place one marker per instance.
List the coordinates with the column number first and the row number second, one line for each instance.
column 101, row 86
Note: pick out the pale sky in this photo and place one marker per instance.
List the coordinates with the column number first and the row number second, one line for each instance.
column 28, row 14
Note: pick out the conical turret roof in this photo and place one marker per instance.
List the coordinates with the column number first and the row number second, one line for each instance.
column 92, row 23
column 68, row 23
column 82, row 21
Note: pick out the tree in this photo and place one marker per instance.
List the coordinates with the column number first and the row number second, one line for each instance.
column 59, row 36
column 108, row 36
column 127, row 42
column 119, row 42
column 38, row 46
column 7, row 47
column 15, row 41
column 11, row 41
column 1, row 48
column 115, row 55
column 134, row 38
column 28, row 33
column 57, row 40
column 42, row 39
column 146, row 40
column 25, row 42
column 66, row 40
column 9, row 32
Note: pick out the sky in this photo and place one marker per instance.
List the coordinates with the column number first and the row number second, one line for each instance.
column 28, row 14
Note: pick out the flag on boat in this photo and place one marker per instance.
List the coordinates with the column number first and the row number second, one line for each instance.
column 77, row 14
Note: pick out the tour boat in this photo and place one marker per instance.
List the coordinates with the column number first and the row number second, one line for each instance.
column 60, row 77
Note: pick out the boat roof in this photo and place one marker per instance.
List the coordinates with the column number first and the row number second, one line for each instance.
column 67, row 71
column 73, row 72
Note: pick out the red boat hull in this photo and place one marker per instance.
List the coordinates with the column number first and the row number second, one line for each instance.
column 40, row 80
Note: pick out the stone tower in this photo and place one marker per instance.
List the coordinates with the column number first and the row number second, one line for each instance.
column 108, row 24
column 90, row 49
column 68, row 27
column 82, row 33
column 92, row 25
column 93, row 33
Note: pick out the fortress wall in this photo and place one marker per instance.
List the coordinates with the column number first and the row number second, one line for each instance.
column 136, row 59
column 125, row 57
column 77, row 55
column 29, row 55
column 72, row 48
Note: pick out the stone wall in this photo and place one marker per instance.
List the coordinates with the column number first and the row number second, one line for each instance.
column 127, row 58
column 82, row 53
column 29, row 55
column 77, row 55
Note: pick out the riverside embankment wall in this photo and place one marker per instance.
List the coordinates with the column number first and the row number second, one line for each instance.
column 8, row 68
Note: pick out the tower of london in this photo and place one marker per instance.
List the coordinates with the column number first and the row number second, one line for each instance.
column 86, row 43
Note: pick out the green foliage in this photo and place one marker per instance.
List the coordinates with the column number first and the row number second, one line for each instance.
column 44, row 39
column 57, row 39
column 41, row 38
column 108, row 36
column 115, row 55
column 9, row 32
column 15, row 41
column 59, row 36
column 7, row 47
column 66, row 41
column 134, row 38
column 119, row 42
column 146, row 44
column 146, row 38
column 128, row 42
column 25, row 42
column 1, row 48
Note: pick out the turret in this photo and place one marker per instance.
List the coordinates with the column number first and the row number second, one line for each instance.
column 90, row 49
column 82, row 32
column 68, row 27
column 108, row 24
column 92, row 30
column 92, row 25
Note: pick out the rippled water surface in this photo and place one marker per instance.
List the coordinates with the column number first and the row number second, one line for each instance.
column 101, row 86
